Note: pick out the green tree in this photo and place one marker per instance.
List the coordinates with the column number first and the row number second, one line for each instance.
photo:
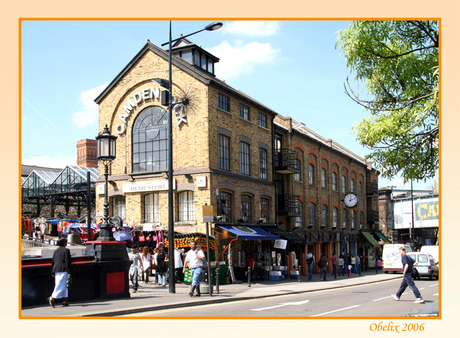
column 398, row 62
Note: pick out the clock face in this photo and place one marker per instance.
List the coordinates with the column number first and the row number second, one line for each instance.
column 350, row 200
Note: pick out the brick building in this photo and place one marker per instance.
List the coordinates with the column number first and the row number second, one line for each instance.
column 253, row 165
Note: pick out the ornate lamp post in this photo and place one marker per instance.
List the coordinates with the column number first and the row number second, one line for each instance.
column 106, row 153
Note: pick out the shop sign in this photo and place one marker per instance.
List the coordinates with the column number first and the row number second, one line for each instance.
column 280, row 244
column 142, row 186
column 138, row 98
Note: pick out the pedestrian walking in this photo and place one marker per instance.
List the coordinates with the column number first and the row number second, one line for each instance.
column 178, row 264
column 310, row 261
column 408, row 264
column 322, row 264
column 195, row 257
column 61, row 268
column 358, row 264
column 134, row 268
column 162, row 261
column 342, row 263
column 146, row 262
column 334, row 265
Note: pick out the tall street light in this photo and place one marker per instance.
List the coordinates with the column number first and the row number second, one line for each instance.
column 172, row 283
column 106, row 153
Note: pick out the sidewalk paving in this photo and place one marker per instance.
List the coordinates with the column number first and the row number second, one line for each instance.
column 150, row 297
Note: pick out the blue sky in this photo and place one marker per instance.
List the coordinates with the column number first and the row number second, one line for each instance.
column 292, row 67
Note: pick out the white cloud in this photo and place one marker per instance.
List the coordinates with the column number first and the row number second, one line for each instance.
column 241, row 58
column 90, row 112
column 51, row 162
column 251, row 28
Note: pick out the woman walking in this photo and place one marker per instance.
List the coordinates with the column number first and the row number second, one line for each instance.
column 61, row 268
column 146, row 261
column 162, row 266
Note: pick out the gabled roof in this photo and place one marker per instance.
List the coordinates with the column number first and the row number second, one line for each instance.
column 26, row 170
column 186, row 67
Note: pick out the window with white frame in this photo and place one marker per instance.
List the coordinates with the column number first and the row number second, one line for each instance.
column 186, row 206
column 244, row 158
column 119, row 207
column 151, row 208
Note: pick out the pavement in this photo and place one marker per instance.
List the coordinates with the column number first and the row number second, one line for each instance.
column 151, row 297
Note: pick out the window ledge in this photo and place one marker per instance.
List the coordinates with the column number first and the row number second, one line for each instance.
column 185, row 223
column 224, row 111
column 248, row 121
column 264, row 128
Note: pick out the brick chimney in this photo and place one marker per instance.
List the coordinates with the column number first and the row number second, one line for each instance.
column 87, row 153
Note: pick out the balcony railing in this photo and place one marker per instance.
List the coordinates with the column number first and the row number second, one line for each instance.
column 285, row 162
column 289, row 205
column 372, row 189
column 372, row 217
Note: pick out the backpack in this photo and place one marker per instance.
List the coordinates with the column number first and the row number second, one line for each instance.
column 310, row 260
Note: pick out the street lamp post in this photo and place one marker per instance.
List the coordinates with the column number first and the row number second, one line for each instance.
column 172, row 283
column 106, row 153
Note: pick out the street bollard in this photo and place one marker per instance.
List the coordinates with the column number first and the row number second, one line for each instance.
column 217, row 279
column 249, row 277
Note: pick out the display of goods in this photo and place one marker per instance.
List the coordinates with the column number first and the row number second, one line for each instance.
column 184, row 240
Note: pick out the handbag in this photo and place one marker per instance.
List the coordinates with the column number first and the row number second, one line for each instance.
column 69, row 283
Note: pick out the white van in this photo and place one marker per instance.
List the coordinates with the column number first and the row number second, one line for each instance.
column 433, row 250
column 391, row 259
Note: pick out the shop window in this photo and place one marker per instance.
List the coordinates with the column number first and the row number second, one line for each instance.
column 312, row 215
column 151, row 208
column 334, row 181
column 224, row 206
column 324, row 215
column 224, row 152
column 262, row 120
column 344, row 185
column 335, row 216
column 263, row 172
column 186, row 206
column 246, row 207
column 150, row 140
column 265, row 210
column 244, row 158
column 323, row 178
column 344, row 218
column 119, row 207
column 224, row 102
column 244, row 111
column 311, row 174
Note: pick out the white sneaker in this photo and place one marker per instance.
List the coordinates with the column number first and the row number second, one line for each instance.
column 395, row 297
column 419, row 301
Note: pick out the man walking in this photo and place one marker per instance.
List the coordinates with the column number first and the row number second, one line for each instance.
column 310, row 261
column 358, row 264
column 322, row 264
column 408, row 263
column 334, row 265
column 195, row 257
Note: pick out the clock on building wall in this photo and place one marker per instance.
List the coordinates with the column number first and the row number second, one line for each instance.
column 350, row 200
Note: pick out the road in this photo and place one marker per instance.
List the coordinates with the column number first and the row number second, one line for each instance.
column 371, row 300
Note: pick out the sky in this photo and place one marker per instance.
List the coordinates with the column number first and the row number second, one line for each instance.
column 292, row 67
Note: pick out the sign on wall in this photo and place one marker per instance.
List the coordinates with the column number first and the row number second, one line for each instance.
column 426, row 213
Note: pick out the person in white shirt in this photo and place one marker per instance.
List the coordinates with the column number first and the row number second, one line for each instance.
column 178, row 264
column 134, row 269
column 195, row 257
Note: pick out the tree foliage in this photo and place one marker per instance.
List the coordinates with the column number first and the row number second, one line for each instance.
column 398, row 62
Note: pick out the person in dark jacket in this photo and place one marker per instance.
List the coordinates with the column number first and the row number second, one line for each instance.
column 162, row 266
column 61, row 268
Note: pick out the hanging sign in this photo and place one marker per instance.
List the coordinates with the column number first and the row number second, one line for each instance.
column 280, row 244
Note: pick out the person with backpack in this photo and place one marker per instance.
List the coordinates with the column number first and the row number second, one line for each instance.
column 408, row 263
column 310, row 261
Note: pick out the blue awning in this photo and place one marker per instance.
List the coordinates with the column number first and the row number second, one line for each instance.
column 247, row 232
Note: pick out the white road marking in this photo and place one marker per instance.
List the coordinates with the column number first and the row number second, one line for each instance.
column 326, row 313
column 436, row 294
column 433, row 285
column 281, row 305
column 375, row 300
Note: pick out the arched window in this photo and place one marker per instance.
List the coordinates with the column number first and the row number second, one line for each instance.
column 150, row 140
column 323, row 178
column 334, row 181
column 224, row 206
column 312, row 208
column 335, row 216
column 344, row 218
column 344, row 184
column 324, row 216
column 353, row 219
column 352, row 185
column 246, row 208
column 311, row 174
column 186, row 206
column 265, row 210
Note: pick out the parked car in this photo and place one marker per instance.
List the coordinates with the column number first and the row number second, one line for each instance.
column 426, row 266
